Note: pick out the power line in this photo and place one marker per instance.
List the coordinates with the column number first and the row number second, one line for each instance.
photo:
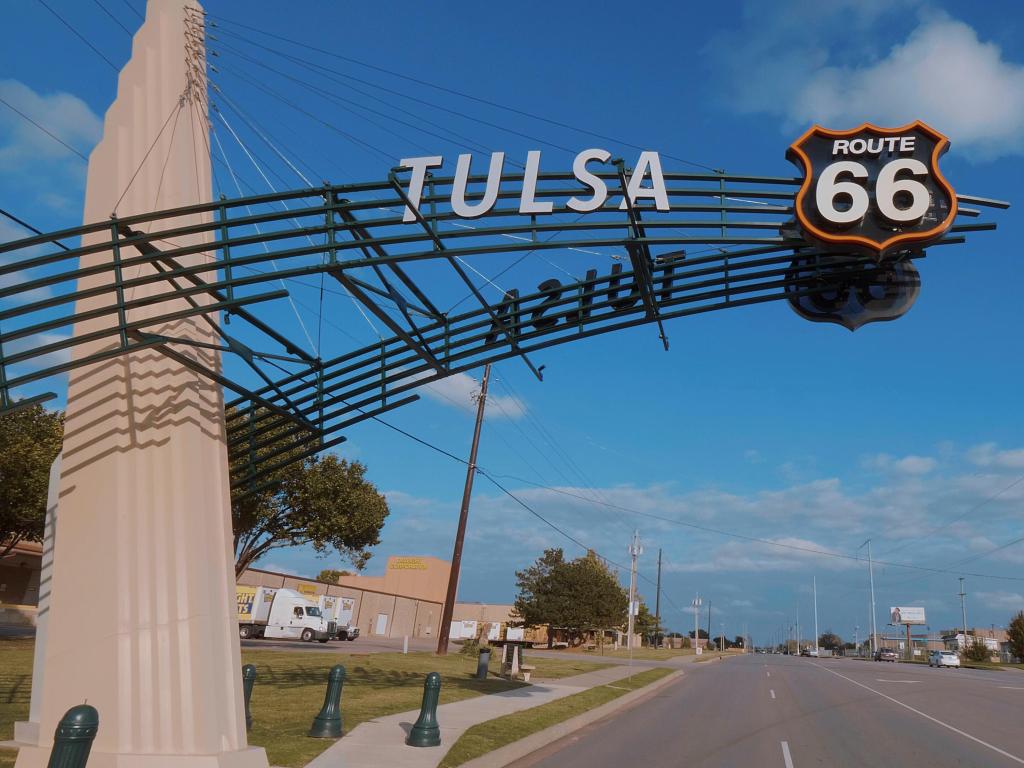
column 79, row 35
column 113, row 17
column 461, row 94
column 44, row 130
column 30, row 228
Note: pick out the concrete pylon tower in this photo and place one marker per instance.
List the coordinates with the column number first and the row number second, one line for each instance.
column 142, row 608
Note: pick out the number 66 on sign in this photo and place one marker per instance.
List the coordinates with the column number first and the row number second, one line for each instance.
column 874, row 190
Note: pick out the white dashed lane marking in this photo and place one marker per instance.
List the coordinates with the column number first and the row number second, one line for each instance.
column 786, row 756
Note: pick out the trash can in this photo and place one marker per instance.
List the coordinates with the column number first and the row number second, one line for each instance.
column 483, row 663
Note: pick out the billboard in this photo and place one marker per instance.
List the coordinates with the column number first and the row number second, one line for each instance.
column 906, row 615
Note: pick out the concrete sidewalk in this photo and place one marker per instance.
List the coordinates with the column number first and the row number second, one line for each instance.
column 381, row 742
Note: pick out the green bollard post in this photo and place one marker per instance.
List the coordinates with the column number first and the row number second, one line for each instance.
column 426, row 733
column 327, row 725
column 72, row 740
column 248, row 681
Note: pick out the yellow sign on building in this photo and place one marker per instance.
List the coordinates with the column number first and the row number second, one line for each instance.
column 407, row 564
column 307, row 589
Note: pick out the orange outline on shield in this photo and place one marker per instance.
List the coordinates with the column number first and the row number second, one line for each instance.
column 941, row 145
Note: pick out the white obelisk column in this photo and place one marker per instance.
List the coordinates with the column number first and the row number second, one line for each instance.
column 142, row 607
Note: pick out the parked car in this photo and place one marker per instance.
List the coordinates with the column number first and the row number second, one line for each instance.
column 886, row 654
column 943, row 659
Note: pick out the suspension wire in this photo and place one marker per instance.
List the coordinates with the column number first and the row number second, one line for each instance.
column 461, row 94
column 113, row 17
column 467, row 143
column 552, row 441
column 30, row 228
column 133, row 10
column 355, row 303
column 266, row 249
column 177, row 107
column 79, row 35
column 348, row 136
column 44, row 130
column 266, row 140
column 340, row 100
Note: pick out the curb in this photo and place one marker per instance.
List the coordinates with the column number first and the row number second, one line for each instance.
column 508, row 754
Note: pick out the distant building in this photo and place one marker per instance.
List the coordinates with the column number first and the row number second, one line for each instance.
column 19, row 584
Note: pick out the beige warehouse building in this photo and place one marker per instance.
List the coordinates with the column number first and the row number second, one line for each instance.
column 406, row 601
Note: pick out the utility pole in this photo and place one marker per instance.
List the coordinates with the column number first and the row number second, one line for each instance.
column 798, row 629
column 696, row 632
column 817, row 648
column 963, row 608
column 634, row 552
column 453, row 577
column 657, row 604
column 874, row 621
column 721, row 636
column 709, row 622
column 856, row 639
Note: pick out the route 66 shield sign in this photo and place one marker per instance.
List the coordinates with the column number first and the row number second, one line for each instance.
column 873, row 190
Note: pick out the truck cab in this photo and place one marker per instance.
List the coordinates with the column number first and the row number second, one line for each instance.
column 293, row 617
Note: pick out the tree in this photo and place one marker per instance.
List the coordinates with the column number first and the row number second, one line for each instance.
column 701, row 633
column 1015, row 634
column 332, row 576
column 324, row 501
column 830, row 641
column 575, row 595
column 976, row 650
column 30, row 440
column 646, row 623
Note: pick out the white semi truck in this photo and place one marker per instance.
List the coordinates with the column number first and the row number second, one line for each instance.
column 339, row 610
column 281, row 614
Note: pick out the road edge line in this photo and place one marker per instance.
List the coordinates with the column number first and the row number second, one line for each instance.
column 503, row 756
column 925, row 716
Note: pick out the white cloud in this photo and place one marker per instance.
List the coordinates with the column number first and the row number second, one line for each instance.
column 908, row 465
column 63, row 114
column 48, row 175
column 784, row 553
column 1010, row 601
column 942, row 72
column 989, row 455
column 460, row 390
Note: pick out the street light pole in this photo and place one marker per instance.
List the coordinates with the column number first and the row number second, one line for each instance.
column 874, row 621
column 634, row 552
column 467, row 492
column 817, row 648
column 963, row 609
column 657, row 603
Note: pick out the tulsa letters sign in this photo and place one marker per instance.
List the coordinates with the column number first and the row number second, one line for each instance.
column 869, row 192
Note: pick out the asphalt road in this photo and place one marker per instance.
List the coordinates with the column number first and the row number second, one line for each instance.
column 765, row 711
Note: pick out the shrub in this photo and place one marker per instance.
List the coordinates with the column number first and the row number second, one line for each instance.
column 976, row 651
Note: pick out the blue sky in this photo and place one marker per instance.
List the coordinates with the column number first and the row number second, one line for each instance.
column 756, row 422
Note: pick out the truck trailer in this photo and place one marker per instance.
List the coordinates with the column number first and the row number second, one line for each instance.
column 339, row 610
column 281, row 614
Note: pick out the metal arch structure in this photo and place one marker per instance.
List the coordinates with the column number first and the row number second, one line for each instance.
column 726, row 241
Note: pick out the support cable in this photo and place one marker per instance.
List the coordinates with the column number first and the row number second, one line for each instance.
column 79, row 35
column 453, row 92
column 284, row 205
column 266, row 250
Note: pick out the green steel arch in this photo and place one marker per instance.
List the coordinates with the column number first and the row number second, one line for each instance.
column 726, row 241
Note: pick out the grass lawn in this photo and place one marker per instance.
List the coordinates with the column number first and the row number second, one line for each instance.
column 493, row 734
column 290, row 691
